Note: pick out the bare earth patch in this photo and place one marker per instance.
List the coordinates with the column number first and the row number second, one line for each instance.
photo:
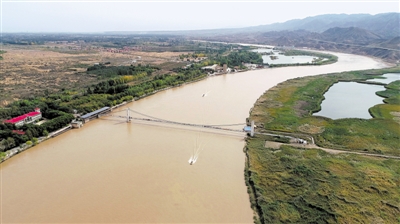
column 396, row 116
column 311, row 129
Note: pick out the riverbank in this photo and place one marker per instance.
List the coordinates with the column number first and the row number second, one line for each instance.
column 16, row 150
column 289, row 183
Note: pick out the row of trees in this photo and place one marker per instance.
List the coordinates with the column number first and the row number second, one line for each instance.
column 110, row 93
column 114, row 71
column 237, row 58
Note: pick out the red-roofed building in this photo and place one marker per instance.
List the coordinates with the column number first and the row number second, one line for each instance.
column 26, row 118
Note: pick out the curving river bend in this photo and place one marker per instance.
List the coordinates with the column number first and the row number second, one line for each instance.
column 110, row 171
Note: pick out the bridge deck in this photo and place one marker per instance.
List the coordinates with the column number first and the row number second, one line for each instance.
column 185, row 124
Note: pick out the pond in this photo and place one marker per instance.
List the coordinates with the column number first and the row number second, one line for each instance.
column 387, row 78
column 353, row 100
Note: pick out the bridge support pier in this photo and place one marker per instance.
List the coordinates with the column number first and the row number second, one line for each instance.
column 128, row 117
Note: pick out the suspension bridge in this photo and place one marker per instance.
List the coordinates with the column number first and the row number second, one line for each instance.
column 129, row 118
column 246, row 129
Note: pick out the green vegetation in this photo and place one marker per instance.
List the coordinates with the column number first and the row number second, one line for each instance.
column 311, row 53
column 312, row 186
column 391, row 109
column 2, row 155
column 104, row 71
column 296, row 185
column 391, row 93
column 237, row 58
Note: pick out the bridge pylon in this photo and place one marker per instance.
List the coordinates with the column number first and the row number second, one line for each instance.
column 252, row 129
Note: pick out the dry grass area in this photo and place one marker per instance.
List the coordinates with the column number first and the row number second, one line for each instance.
column 311, row 129
column 30, row 70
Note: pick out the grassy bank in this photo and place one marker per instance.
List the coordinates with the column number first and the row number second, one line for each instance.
column 293, row 185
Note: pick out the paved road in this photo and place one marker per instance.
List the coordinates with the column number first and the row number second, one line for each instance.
column 332, row 151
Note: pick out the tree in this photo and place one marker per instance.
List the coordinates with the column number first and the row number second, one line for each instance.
column 3, row 146
column 29, row 134
column 10, row 143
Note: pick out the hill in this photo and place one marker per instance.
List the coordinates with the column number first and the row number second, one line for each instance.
column 386, row 25
column 350, row 35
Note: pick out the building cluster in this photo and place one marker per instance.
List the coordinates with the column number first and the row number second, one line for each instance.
column 217, row 69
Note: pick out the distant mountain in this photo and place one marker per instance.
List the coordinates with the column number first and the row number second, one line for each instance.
column 386, row 25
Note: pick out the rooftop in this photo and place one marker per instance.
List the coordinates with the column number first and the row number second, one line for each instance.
column 22, row 117
column 94, row 112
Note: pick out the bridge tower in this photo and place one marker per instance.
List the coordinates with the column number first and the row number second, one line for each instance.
column 252, row 129
column 128, row 117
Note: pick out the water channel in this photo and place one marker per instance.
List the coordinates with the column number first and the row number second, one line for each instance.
column 111, row 171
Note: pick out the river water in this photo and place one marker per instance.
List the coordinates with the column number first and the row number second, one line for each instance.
column 111, row 171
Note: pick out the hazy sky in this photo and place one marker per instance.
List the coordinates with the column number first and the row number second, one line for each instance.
column 129, row 15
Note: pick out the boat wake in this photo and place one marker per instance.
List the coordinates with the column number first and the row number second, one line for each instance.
column 196, row 152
